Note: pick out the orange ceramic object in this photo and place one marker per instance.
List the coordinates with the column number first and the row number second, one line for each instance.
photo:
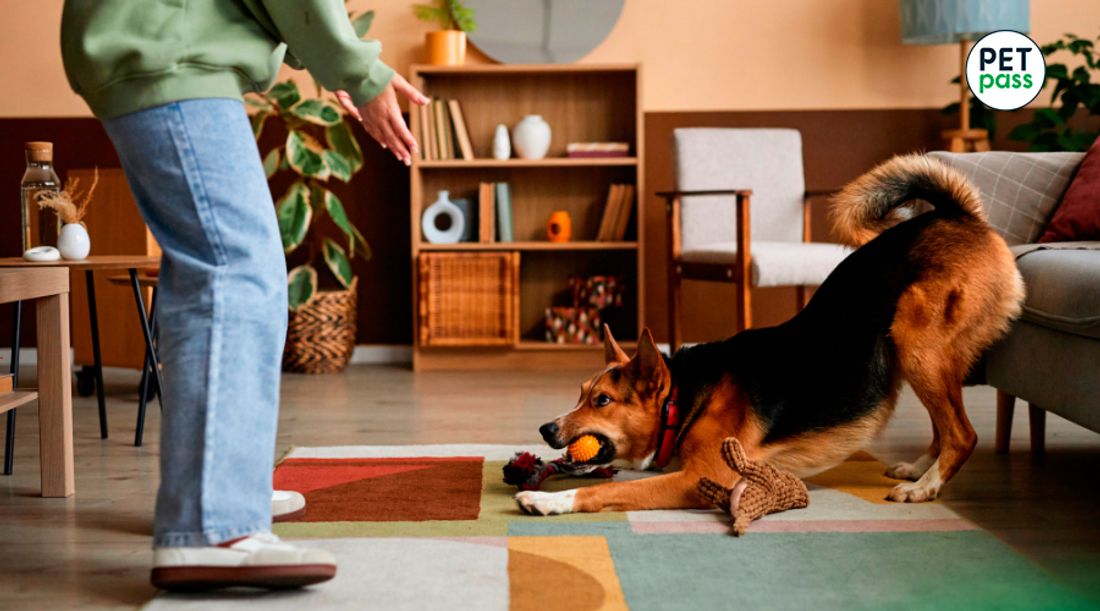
column 584, row 449
column 560, row 227
column 445, row 47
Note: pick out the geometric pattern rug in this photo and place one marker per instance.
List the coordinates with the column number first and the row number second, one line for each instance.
column 434, row 527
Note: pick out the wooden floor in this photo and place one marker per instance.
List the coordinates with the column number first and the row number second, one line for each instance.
column 93, row 551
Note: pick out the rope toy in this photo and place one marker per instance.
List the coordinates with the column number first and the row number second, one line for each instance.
column 527, row 471
column 762, row 489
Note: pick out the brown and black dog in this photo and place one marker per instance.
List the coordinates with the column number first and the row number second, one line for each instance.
column 919, row 301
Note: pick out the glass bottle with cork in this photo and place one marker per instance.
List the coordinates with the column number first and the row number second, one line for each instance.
column 41, row 226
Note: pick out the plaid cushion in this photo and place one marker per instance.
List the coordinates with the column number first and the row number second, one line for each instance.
column 1020, row 190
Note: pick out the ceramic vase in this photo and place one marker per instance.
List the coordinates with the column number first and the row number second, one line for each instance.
column 446, row 47
column 531, row 137
column 502, row 144
column 560, row 227
column 73, row 242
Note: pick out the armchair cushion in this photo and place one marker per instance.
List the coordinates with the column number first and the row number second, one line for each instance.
column 1020, row 190
column 767, row 161
column 776, row 263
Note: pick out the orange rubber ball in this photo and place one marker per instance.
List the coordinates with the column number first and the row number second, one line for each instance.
column 584, row 449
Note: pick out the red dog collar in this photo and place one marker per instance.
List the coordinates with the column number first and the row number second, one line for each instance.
column 666, row 435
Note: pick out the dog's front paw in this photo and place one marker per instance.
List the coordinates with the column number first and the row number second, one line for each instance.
column 915, row 492
column 535, row 503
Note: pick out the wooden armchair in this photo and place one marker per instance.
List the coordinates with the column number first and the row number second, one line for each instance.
column 713, row 236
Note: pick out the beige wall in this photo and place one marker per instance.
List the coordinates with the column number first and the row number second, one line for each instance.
column 698, row 54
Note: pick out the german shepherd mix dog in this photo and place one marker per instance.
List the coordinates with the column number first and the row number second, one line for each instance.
column 919, row 301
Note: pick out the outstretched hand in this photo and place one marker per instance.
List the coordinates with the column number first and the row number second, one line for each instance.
column 382, row 119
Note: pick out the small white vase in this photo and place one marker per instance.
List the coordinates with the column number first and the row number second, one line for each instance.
column 73, row 242
column 531, row 137
column 502, row 145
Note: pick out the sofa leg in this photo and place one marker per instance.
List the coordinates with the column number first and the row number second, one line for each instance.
column 1038, row 419
column 1006, row 404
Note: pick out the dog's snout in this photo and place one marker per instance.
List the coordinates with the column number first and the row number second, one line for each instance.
column 550, row 432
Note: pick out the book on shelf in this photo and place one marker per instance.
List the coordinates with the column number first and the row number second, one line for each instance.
column 503, row 198
column 427, row 133
column 610, row 214
column 462, row 136
column 626, row 207
column 486, row 219
column 440, row 130
column 597, row 149
column 6, row 383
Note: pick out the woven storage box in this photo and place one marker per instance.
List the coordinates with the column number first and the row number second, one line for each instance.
column 321, row 334
column 573, row 325
column 468, row 299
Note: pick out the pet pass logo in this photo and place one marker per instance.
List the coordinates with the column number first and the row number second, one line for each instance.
column 1005, row 70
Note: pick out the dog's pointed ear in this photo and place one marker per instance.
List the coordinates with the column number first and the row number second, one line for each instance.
column 651, row 363
column 612, row 352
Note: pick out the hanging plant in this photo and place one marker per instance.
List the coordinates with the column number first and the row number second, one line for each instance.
column 319, row 147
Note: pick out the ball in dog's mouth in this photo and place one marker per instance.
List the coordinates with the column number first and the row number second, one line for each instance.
column 603, row 456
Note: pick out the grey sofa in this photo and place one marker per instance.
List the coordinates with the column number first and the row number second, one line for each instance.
column 1051, row 357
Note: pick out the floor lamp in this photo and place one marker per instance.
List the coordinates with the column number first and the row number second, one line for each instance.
column 933, row 22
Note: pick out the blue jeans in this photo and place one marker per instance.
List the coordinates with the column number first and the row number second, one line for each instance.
column 196, row 174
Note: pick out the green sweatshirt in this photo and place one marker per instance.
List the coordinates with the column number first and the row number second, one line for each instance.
column 122, row 56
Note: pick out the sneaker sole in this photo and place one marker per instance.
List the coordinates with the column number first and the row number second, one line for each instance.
column 205, row 578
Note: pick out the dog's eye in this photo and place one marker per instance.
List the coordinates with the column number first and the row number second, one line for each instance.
column 603, row 400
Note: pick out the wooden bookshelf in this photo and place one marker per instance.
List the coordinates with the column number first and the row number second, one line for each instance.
column 582, row 103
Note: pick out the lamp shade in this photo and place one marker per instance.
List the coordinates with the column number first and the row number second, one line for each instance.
column 931, row 22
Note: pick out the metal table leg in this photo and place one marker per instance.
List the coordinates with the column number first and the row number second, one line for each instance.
column 9, row 438
column 98, row 366
column 151, row 351
column 143, row 388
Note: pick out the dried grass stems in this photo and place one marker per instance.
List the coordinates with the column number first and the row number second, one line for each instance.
column 70, row 204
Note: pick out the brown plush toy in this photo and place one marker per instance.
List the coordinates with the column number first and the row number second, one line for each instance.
column 762, row 489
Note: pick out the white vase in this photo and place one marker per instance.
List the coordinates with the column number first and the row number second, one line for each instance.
column 502, row 146
column 531, row 137
column 73, row 242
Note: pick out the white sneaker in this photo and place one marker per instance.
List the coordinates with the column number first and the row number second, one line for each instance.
column 287, row 505
column 258, row 561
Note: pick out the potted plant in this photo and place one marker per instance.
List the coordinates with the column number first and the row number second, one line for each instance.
column 446, row 47
column 319, row 147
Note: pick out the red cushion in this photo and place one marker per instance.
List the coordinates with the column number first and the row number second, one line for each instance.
column 1078, row 217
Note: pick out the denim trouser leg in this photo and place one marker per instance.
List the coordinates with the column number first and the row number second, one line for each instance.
column 195, row 171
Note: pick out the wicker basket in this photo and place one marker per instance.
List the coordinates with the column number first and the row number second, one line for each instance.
column 468, row 299
column 321, row 335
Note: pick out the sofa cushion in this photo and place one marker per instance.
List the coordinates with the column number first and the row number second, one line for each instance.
column 1019, row 190
column 1063, row 289
column 1078, row 216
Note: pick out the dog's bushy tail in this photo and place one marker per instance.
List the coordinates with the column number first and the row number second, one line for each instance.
column 888, row 194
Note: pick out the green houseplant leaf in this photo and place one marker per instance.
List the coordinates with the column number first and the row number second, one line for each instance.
column 318, row 112
column 272, row 161
column 337, row 262
column 337, row 164
column 341, row 139
column 257, row 120
column 304, row 155
column 301, row 284
column 294, row 214
column 285, row 94
column 339, row 216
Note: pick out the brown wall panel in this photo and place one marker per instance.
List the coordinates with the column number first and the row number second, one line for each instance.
column 837, row 146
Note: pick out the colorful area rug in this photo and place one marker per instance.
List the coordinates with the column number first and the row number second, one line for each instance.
column 433, row 527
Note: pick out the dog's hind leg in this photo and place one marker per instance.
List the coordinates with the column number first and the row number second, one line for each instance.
column 934, row 357
column 912, row 471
